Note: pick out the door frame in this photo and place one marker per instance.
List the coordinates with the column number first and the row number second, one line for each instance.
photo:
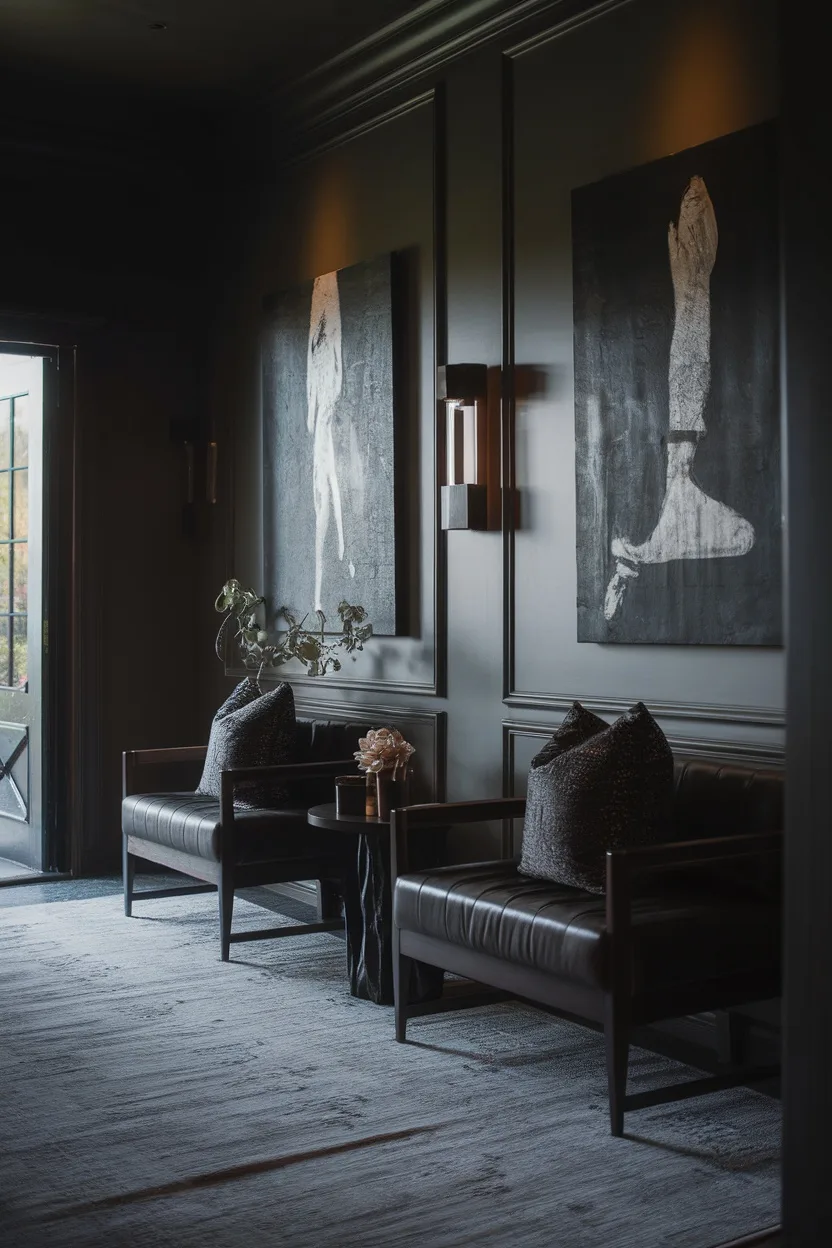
column 60, row 740
column 807, row 255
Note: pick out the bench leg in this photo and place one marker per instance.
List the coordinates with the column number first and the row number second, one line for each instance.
column 225, row 890
column 728, row 1038
column 328, row 900
column 617, row 1040
column 402, row 966
column 129, row 873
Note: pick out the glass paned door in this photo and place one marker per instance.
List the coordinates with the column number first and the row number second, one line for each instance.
column 21, row 616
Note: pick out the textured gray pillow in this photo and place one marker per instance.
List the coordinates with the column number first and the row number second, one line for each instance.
column 595, row 787
column 251, row 729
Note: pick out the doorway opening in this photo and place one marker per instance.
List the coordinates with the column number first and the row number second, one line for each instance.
column 23, row 848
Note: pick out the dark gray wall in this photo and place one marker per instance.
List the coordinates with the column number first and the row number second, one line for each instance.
column 496, row 628
column 101, row 251
column 649, row 79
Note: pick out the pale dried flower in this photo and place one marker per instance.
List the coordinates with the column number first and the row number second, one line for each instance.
column 383, row 749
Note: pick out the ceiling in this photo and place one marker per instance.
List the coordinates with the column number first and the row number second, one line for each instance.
column 207, row 53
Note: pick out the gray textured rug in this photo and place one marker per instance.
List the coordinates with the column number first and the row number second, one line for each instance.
column 154, row 1096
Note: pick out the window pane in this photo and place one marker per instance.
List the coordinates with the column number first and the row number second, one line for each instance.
column 21, row 651
column 4, row 650
column 21, row 431
column 20, row 589
column 21, row 503
column 5, row 414
column 5, row 597
column 4, row 506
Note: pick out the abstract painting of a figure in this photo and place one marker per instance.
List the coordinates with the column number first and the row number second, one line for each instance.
column 677, row 425
column 329, row 445
column 324, row 382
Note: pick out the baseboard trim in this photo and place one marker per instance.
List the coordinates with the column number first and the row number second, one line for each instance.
column 46, row 877
column 771, row 1237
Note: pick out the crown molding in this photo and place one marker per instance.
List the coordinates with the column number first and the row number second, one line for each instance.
column 414, row 47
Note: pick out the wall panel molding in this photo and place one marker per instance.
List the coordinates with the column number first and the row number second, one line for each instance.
column 435, row 99
column 425, row 726
column 741, row 753
column 430, row 725
column 544, row 31
column 508, row 404
column 769, row 717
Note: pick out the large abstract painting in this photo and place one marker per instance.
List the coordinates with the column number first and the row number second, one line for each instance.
column 329, row 445
column 676, row 398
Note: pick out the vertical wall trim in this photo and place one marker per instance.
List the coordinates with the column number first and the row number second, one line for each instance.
column 440, row 357
column 354, row 712
column 507, row 410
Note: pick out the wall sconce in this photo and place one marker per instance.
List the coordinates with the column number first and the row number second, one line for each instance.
column 472, row 487
column 199, row 471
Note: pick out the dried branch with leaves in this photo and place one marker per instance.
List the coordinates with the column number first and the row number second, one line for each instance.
column 316, row 649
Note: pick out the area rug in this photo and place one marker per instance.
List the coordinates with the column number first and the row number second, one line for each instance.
column 153, row 1095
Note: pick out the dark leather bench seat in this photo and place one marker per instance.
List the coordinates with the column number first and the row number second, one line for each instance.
column 190, row 823
column 679, row 936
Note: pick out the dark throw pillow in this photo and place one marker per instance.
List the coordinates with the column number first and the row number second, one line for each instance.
column 251, row 729
column 578, row 726
column 594, row 787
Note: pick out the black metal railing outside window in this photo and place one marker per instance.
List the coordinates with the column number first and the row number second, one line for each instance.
column 14, row 539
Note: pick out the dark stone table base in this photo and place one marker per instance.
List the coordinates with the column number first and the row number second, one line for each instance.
column 368, row 908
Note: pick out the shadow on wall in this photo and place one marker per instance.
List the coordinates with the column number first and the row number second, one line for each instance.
column 542, row 384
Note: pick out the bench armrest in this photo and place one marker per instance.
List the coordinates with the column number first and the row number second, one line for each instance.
column 680, row 853
column 276, row 771
column 131, row 760
column 624, row 864
column 442, row 815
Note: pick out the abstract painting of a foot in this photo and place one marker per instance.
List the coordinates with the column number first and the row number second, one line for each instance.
column 691, row 524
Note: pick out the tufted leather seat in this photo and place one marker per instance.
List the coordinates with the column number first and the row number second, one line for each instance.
column 677, row 936
column 190, row 823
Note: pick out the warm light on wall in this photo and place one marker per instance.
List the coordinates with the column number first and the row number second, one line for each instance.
column 704, row 84
column 328, row 229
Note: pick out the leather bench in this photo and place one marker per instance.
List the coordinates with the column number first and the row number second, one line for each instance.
column 686, row 926
column 228, row 848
